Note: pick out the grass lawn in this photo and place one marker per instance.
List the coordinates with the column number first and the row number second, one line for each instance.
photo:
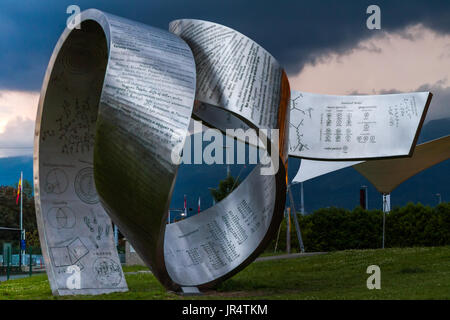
column 407, row 273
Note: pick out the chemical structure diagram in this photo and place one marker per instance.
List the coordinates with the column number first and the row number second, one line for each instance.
column 298, row 115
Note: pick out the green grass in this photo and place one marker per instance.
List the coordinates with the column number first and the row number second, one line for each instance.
column 407, row 273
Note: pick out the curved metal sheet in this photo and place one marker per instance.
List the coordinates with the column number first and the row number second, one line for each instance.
column 116, row 103
column 327, row 127
column 75, row 232
column 117, row 96
column 233, row 72
column 144, row 113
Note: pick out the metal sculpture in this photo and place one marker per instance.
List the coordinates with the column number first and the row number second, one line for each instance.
column 113, row 116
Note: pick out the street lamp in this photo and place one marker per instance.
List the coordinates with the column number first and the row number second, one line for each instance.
column 302, row 201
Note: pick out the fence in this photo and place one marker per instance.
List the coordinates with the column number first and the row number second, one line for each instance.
column 12, row 262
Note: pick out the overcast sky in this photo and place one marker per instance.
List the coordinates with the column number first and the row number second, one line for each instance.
column 324, row 46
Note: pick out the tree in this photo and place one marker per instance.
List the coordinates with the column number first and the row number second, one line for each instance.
column 10, row 212
column 33, row 239
column 226, row 186
column 27, row 189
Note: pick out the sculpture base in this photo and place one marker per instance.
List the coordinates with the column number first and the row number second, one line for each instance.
column 189, row 291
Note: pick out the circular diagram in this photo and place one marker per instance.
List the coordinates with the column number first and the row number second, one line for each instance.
column 56, row 181
column 107, row 271
column 85, row 186
column 61, row 217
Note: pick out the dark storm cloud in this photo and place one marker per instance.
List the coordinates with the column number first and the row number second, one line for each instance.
column 440, row 105
column 295, row 32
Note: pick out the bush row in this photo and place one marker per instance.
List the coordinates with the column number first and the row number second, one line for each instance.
column 333, row 229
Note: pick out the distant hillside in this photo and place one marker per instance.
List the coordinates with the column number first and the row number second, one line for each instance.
column 435, row 129
column 339, row 188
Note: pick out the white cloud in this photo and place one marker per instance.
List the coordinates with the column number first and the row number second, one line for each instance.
column 17, row 138
column 17, row 117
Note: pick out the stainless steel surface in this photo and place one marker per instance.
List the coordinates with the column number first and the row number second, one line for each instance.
column 110, row 85
column 212, row 243
column 144, row 113
column 116, row 102
column 73, row 226
column 326, row 127
column 115, row 108
column 233, row 74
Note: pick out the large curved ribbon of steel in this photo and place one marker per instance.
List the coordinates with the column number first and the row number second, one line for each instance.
column 116, row 102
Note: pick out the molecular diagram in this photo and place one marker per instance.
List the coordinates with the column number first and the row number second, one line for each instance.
column 298, row 115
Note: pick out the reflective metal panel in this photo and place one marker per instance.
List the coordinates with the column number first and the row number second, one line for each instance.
column 214, row 242
column 233, row 72
column 239, row 85
column 355, row 127
column 75, row 232
column 117, row 97
column 115, row 107
column 116, row 103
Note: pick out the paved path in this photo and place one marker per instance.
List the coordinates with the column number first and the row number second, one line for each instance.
column 16, row 276
column 289, row 256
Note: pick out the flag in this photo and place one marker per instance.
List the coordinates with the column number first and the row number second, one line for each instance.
column 198, row 204
column 19, row 188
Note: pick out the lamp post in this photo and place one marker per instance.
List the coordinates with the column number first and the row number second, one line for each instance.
column 366, row 197
column 302, row 201
column 386, row 209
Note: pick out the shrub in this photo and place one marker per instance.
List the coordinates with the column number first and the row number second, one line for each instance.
column 333, row 229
